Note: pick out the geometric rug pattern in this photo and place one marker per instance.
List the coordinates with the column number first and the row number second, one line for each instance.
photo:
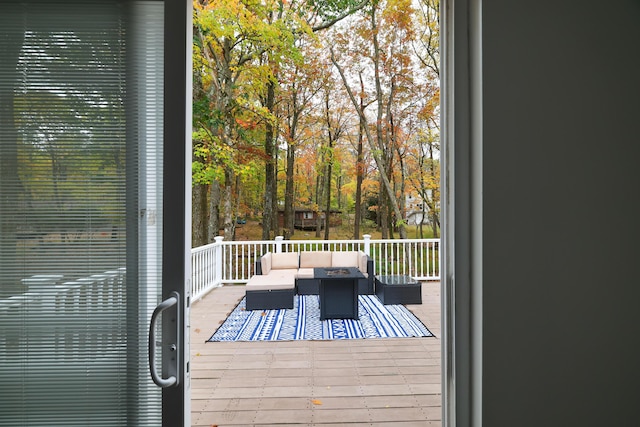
column 302, row 322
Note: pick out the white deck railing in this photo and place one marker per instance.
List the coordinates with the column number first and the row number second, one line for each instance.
column 211, row 266
column 234, row 262
column 55, row 311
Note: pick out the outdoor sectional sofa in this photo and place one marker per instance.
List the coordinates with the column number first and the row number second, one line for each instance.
column 307, row 284
column 280, row 275
column 274, row 284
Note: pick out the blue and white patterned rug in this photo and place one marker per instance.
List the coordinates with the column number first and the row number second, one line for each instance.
column 303, row 322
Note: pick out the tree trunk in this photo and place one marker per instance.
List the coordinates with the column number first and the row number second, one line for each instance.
column 289, row 199
column 435, row 220
column 214, row 211
column 318, row 190
column 319, row 197
column 359, row 168
column 227, row 202
column 275, row 221
column 383, row 210
column 289, row 207
column 402, row 203
column 390, row 214
column 359, row 179
column 339, row 191
column 329, row 162
column 237, row 196
column 269, row 213
column 435, row 225
column 327, row 200
column 198, row 215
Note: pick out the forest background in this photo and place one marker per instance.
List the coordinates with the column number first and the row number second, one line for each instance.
column 317, row 105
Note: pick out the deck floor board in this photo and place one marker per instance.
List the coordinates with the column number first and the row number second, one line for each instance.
column 360, row 382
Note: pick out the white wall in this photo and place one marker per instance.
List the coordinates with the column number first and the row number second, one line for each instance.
column 560, row 233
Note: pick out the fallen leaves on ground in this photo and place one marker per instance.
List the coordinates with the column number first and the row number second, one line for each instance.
column 316, row 402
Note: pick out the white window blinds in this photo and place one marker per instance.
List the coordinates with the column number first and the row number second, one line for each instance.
column 81, row 109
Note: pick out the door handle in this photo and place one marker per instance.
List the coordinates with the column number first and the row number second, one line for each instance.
column 174, row 348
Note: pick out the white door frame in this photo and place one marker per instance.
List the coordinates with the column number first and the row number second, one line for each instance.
column 461, row 275
column 176, row 275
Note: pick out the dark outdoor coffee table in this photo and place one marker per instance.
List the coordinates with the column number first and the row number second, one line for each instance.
column 398, row 289
column 338, row 292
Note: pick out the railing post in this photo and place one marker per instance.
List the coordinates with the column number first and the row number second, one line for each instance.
column 367, row 244
column 279, row 240
column 217, row 251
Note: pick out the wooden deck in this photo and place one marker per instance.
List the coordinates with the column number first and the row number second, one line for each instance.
column 361, row 382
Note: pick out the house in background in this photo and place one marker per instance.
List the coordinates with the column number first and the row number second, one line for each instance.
column 416, row 211
column 307, row 219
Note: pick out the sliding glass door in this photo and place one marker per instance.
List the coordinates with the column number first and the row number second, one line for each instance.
column 82, row 213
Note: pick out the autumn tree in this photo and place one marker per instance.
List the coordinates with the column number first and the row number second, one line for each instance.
column 259, row 99
column 427, row 49
column 384, row 31
column 335, row 123
column 319, row 15
column 231, row 38
column 299, row 85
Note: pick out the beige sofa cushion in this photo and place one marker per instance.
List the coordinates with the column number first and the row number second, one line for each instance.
column 362, row 264
column 274, row 281
column 284, row 279
column 265, row 263
column 309, row 259
column 305, row 273
column 284, row 260
column 345, row 259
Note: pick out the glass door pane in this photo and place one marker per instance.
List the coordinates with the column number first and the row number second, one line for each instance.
column 81, row 140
